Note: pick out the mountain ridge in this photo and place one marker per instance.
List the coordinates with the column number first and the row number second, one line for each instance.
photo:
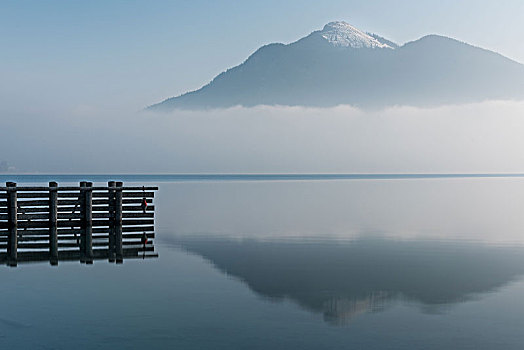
column 351, row 68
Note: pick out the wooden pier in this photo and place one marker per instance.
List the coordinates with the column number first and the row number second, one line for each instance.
column 84, row 223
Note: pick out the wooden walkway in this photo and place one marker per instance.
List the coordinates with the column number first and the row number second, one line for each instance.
column 82, row 223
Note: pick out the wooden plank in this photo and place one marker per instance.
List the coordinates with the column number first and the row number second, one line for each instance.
column 66, row 233
column 71, row 202
column 33, row 203
column 33, row 232
column 104, row 195
column 71, row 237
column 45, row 238
column 130, row 222
column 33, row 195
column 138, row 215
column 78, row 232
column 30, row 188
column 68, row 195
column 126, row 195
column 77, row 188
column 69, row 209
column 138, row 194
column 45, row 224
column 137, row 208
column 76, row 215
column 45, row 245
column 71, row 255
column 138, row 228
column 96, row 208
column 80, row 215
column 69, row 231
column 124, row 201
column 138, row 235
column 25, row 210
column 135, row 201
column 131, row 253
column 33, row 216
column 33, row 239
column 125, row 208
column 78, row 223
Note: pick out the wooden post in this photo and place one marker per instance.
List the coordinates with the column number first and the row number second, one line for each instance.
column 118, row 223
column 12, row 212
column 53, row 219
column 88, row 223
column 82, row 201
column 111, row 200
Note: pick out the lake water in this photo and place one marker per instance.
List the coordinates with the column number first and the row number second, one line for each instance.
column 292, row 263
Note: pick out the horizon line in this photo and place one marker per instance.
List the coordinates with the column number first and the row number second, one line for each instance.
column 165, row 177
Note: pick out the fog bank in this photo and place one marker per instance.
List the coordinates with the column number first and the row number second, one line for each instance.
column 482, row 137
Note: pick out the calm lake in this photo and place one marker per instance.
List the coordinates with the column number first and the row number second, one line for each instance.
column 291, row 263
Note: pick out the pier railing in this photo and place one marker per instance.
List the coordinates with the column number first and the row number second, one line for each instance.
column 85, row 223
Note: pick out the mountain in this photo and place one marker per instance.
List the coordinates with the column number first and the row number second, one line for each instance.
column 341, row 64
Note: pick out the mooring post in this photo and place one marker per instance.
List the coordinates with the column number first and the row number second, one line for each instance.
column 82, row 204
column 12, row 217
column 88, row 222
column 118, row 223
column 111, row 201
column 53, row 219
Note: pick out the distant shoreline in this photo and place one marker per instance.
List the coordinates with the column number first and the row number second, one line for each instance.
column 25, row 178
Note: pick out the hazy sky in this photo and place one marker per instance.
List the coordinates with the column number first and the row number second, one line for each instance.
column 79, row 54
column 74, row 74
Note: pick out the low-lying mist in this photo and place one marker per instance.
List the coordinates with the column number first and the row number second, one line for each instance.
column 482, row 137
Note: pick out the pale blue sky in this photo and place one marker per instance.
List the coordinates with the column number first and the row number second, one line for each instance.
column 75, row 54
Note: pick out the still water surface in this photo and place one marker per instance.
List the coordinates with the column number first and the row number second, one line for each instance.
column 377, row 263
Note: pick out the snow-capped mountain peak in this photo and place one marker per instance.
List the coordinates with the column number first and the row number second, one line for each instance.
column 342, row 34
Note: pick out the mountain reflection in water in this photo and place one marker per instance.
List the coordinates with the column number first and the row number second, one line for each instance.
column 343, row 279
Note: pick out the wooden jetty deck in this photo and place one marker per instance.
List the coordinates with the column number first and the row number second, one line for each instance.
column 85, row 223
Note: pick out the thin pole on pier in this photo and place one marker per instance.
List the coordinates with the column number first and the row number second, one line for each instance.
column 111, row 201
column 118, row 223
column 12, row 212
column 81, row 199
column 53, row 219
column 88, row 222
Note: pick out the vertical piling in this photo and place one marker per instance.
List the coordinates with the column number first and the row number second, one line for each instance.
column 88, row 222
column 12, row 212
column 111, row 201
column 53, row 220
column 82, row 204
column 118, row 223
